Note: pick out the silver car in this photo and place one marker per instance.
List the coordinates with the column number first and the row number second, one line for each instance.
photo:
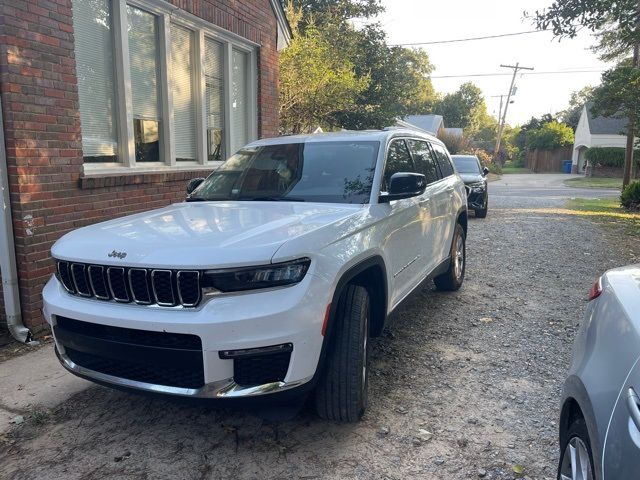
column 600, row 414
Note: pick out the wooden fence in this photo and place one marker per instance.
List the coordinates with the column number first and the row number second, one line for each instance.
column 541, row 161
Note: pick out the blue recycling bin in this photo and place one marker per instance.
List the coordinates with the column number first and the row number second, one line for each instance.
column 566, row 166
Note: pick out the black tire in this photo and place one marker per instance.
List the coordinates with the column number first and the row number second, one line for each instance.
column 452, row 279
column 482, row 212
column 578, row 429
column 341, row 394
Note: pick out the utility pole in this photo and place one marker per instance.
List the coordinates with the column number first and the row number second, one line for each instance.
column 502, row 121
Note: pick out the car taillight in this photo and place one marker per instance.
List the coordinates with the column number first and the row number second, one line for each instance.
column 596, row 289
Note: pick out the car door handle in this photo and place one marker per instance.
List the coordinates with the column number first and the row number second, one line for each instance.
column 632, row 406
column 424, row 202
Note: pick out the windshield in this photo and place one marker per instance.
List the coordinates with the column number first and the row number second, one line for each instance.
column 333, row 172
column 466, row 164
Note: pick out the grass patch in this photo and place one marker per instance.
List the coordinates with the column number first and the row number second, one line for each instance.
column 605, row 209
column 594, row 182
column 509, row 169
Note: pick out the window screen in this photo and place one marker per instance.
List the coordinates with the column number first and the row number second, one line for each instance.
column 143, row 55
column 95, row 70
column 443, row 160
column 425, row 161
column 182, row 84
column 214, row 79
column 398, row 160
column 239, row 100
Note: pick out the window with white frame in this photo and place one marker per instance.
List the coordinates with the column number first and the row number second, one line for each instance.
column 160, row 88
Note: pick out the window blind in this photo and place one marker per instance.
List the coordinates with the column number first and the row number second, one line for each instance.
column 214, row 74
column 184, row 108
column 239, row 101
column 143, row 55
column 95, row 69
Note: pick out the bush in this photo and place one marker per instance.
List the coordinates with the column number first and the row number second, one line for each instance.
column 454, row 143
column 609, row 156
column 630, row 197
column 495, row 168
column 520, row 160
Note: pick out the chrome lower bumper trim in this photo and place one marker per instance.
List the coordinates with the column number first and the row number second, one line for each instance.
column 221, row 389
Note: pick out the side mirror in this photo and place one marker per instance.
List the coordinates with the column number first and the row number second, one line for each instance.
column 193, row 184
column 485, row 171
column 404, row 185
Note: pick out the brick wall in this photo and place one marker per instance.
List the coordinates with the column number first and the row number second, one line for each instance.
column 38, row 88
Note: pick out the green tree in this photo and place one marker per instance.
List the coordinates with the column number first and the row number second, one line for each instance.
column 617, row 26
column 399, row 81
column 315, row 80
column 464, row 108
column 549, row 136
column 398, row 78
column 342, row 9
column 578, row 99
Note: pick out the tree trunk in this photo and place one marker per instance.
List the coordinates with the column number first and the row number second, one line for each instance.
column 631, row 130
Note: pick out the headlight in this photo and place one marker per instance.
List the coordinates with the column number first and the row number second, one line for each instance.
column 253, row 278
column 477, row 187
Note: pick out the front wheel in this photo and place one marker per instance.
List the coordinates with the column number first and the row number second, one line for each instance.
column 341, row 394
column 576, row 461
column 482, row 212
column 452, row 279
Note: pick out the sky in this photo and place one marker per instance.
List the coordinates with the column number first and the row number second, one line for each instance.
column 408, row 21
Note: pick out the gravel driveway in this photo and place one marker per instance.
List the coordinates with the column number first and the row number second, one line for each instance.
column 464, row 385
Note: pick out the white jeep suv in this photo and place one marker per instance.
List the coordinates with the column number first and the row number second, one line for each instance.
column 272, row 276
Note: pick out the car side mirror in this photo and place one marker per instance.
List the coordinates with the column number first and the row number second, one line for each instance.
column 193, row 184
column 404, row 185
column 485, row 171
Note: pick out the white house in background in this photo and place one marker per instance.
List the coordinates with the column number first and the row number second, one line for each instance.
column 454, row 132
column 596, row 132
column 433, row 124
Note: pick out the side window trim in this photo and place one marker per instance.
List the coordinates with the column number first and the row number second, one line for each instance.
column 435, row 157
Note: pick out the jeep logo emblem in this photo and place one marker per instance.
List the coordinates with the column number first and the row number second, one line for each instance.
column 119, row 255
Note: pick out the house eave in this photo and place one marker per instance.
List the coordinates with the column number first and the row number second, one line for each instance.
column 281, row 17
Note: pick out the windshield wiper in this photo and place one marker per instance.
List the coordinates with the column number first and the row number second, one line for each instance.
column 274, row 199
column 200, row 199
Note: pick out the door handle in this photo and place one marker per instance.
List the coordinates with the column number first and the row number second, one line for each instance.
column 632, row 406
column 424, row 202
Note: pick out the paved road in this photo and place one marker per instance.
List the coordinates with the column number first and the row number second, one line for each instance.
column 548, row 187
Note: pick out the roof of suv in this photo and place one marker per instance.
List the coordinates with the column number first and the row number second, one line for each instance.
column 346, row 136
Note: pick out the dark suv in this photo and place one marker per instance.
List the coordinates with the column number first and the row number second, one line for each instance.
column 475, row 181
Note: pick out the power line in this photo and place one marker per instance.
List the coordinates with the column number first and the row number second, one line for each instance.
column 470, row 39
column 557, row 72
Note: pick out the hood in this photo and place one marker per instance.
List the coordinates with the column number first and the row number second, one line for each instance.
column 471, row 177
column 199, row 235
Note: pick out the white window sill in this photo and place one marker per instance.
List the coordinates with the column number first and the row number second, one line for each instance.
column 98, row 170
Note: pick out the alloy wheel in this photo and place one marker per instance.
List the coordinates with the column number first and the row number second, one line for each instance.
column 575, row 461
column 459, row 257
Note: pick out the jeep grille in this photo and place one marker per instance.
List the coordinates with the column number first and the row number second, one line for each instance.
column 144, row 286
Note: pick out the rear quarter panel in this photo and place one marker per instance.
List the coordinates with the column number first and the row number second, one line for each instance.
column 604, row 350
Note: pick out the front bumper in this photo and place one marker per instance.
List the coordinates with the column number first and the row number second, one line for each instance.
column 291, row 315
column 476, row 197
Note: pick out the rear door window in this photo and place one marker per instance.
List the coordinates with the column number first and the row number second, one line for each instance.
column 398, row 160
column 425, row 160
column 443, row 160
